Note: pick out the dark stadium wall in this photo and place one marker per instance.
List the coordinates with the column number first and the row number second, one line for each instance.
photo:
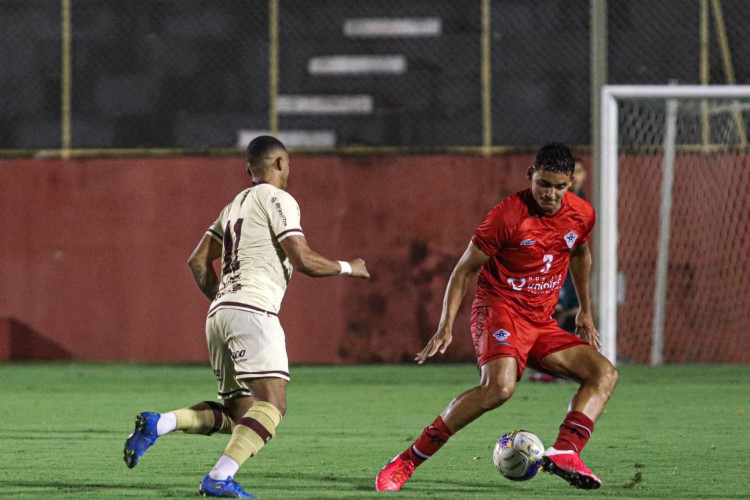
column 94, row 256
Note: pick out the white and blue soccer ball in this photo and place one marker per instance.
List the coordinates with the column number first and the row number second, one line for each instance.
column 518, row 455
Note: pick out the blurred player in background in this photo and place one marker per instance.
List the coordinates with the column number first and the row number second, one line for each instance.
column 521, row 251
column 259, row 239
column 567, row 302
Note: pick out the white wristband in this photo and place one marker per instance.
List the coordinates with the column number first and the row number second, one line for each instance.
column 346, row 268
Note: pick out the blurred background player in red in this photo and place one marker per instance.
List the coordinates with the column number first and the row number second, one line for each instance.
column 567, row 302
column 521, row 251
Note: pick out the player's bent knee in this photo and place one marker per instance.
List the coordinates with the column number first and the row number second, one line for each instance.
column 611, row 376
column 494, row 396
column 204, row 418
column 280, row 406
column 270, row 390
column 605, row 378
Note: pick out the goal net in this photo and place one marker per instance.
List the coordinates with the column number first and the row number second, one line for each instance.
column 673, row 249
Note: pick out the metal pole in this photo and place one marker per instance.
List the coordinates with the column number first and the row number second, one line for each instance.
column 665, row 224
column 704, row 72
column 598, row 58
column 486, row 78
column 273, row 65
column 726, row 58
column 608, row 227
column 66, row 79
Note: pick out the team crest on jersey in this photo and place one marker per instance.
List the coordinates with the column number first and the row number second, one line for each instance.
column 501, row 335
column 571, row 238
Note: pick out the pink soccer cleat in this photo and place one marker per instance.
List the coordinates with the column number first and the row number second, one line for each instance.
column 569, row 466
column 393, row 476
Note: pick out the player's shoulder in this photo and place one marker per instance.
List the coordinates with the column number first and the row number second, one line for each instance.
column 240, row 197
column 579, row 204
column 513, row 203
column 271, row 193
column 513, row 208
column 507, row 214
column 264, row 189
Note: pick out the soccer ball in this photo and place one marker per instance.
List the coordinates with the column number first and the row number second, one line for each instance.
column 518, row 455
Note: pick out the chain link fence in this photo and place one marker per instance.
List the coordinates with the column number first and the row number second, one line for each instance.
column 94, row 75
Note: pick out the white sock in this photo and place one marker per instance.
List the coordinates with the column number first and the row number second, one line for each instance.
column 225, row 468
column 166, row 424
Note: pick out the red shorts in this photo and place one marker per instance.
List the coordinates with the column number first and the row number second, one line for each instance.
column 500, row 332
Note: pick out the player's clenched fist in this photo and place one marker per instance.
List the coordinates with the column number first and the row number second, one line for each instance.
column 359, row 270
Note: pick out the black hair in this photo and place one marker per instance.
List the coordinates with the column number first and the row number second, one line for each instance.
column 260, row 147
column 555, row 157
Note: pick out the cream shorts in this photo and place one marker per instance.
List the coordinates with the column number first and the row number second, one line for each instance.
column 245, row 345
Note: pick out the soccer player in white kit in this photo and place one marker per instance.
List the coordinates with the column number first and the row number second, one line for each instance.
column 259, row 239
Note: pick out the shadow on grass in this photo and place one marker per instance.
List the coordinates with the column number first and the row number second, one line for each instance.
column 273, row 481
column 61, row 432
column 64, row 486
column 58, row 435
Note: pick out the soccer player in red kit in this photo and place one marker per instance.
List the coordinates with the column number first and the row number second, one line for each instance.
column 522, row 251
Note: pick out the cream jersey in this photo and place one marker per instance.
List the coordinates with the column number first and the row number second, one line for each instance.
column 255, row 270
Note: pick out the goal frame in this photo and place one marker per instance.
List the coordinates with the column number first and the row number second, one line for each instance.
column 605, row 256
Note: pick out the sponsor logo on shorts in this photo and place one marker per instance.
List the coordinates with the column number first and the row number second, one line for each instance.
column 238, row 354
column 528, row 243
column 501, row 335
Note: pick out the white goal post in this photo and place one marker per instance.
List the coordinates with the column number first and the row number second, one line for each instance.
column 606, row 251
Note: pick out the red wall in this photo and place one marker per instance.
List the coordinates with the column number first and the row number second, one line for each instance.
column 93, row 257
column 94, row 251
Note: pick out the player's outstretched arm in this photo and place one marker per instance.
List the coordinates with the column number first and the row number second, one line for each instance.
column 201, row 265
column 309, row 262
column 470, row 263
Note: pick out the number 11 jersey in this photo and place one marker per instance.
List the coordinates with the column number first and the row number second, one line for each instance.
column 255, row 271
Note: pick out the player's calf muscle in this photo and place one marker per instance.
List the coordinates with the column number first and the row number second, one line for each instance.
column 204, row 418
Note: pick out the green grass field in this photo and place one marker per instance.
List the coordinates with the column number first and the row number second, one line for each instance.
column 676, row 432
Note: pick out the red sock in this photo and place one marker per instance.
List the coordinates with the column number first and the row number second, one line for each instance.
column 433, row 438
column 575, row 432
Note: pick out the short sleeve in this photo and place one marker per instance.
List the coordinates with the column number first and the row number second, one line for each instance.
column 590, row 221
column 216, row 230
column 284, row 214
column 493, row 233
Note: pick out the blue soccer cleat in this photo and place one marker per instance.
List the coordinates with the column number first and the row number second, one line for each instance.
column 142, row 438
column 227, row 488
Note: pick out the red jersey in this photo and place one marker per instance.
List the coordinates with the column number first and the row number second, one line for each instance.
column 529, row 252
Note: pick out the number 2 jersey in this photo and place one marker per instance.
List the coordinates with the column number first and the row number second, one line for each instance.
column 255, row 271
column 529, row 252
